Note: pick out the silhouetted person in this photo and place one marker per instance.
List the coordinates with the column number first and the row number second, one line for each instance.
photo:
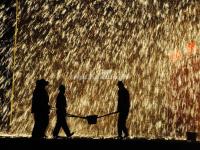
column 40, row 109
column 123, row 109
column 61, row 105
column 2, row 98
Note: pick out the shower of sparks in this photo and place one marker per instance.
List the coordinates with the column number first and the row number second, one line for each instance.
column 152, row 45
column 6, row 43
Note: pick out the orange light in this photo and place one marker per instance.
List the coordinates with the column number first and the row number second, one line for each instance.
column 175, row 55
column 191, row 46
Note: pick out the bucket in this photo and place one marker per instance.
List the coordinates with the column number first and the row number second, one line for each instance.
column 92, row 119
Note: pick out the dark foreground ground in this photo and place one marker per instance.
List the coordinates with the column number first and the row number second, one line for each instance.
column 89, row 143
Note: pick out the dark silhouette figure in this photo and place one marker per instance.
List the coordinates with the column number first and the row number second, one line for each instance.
column 40, row 109
column 123, row 109
column 2, row 98
column 61, row 105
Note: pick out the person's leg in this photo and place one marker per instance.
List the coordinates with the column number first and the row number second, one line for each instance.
column 35, row 132
column 65, row 126
column 124, row 128
column 44, row 124
column 57, row 127
column 119, row 124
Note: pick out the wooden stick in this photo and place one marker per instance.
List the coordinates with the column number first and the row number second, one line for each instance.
column 108, row 114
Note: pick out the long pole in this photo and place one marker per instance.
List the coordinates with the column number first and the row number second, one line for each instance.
column 14, row 58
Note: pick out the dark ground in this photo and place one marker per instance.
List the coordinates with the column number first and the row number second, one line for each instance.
column 89, row 143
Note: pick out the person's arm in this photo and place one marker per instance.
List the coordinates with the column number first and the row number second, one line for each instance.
column 33, row 102
column 65, row 104
column 47, row 103
column 118, row 108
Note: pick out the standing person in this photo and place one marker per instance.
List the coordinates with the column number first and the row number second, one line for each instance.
column 2, row 97
column 40, row 109
column 123, row 109
column 61, row 114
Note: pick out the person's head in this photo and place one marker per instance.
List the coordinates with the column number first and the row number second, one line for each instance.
column 44, row 82
column 41, row 83
column 120, row 84
column 62, row 88
column 37, row 83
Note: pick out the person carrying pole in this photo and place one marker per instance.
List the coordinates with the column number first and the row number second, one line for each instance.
column 61, row 114
column 123, row 109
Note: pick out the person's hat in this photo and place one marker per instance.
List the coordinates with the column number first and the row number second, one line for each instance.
column 120, row 83
column 44, row 82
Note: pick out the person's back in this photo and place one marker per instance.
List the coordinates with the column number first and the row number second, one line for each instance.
column 45, row 102
column 123, row 100
column 40, row 101
column 61, row 104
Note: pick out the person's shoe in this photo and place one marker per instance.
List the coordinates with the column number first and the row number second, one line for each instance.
column 126, row 137
column 55, row 137
column 45, row 137
column 70, row 135
column 119, row 137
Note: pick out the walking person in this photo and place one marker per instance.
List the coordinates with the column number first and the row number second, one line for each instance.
column 61, row 105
